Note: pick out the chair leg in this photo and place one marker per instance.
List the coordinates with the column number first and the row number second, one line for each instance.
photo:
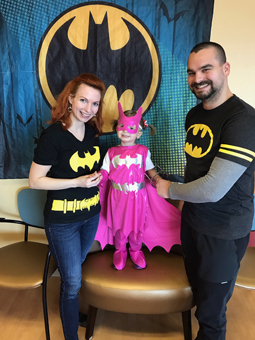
column 92, row 313
column 186, row 322
column 44, row 296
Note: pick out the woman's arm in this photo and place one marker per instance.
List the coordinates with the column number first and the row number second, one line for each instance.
column 38, row 179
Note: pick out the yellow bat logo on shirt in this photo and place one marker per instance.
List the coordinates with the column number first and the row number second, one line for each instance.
column 199, row 140
column 89, row 202
column 76, row 161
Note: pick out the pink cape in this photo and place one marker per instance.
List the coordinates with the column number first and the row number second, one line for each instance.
column 163, row 221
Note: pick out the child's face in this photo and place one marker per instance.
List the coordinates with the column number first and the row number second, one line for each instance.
column 127, row 138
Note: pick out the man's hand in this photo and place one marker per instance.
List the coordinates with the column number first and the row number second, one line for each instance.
column 162, row 186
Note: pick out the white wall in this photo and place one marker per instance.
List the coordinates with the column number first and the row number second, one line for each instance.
column 234, row 28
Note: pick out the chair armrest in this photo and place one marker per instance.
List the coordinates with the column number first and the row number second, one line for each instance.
column 7, row 220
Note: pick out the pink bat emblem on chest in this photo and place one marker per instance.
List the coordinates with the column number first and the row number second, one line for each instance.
column 128, row 161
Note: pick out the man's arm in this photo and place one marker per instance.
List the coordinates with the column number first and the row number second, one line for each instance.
column 221, row 176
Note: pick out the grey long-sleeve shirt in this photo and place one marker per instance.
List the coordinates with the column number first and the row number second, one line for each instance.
column 221, row 176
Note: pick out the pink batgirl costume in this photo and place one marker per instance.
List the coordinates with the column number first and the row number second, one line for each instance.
column 131, row 210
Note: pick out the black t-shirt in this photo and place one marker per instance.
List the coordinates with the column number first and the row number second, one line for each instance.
column 228, row 132
column 69, row 158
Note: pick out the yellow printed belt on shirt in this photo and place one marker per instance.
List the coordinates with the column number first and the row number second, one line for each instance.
column 128, row 187
column 65, row 205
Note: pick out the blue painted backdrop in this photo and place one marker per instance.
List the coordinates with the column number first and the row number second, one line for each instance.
column 175, row 25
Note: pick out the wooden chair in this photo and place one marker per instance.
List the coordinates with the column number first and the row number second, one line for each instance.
column 246, row 274
column 161, row 288
column 28, row 264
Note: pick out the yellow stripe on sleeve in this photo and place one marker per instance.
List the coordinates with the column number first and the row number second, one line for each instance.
column 239, row 155
column 238, row 148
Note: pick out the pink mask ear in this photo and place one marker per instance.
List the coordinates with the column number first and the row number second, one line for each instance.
column 121, row 113
column 139, row 113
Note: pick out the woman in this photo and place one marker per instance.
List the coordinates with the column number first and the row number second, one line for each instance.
column 65, row 163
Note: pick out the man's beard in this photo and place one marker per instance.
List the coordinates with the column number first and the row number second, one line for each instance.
column 204, row 96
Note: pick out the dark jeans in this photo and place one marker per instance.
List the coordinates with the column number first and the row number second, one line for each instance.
column 69, row 244
column 212, row 266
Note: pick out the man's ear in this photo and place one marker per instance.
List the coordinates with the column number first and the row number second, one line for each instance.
column 226, row 69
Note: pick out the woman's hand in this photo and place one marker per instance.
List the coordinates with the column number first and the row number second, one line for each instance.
column 89, row 181
column 38, row 179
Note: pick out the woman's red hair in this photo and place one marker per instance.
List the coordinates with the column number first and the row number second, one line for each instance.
column 60, row 109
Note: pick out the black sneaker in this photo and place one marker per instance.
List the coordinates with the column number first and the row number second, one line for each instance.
column 83, row 320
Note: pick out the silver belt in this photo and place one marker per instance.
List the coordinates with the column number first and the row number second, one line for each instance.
column 128, row 187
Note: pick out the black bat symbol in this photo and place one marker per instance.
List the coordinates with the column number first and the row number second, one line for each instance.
column 179, row 15
column 100, row 59
column 166, row 13
column 20, row 119
column 29, row 119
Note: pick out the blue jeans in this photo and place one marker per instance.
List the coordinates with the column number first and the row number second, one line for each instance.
column 70, row 244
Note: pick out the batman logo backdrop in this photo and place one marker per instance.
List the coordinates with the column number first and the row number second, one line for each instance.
column 109, row 41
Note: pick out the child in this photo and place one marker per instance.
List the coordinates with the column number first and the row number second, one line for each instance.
column 125, row 212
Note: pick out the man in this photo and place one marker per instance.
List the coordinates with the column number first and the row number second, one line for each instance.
column 218, row 187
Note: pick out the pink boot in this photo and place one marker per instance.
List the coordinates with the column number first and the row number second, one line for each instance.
column 136, row 254
column 138, row 259
column 119, row 259
column 120, row 255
